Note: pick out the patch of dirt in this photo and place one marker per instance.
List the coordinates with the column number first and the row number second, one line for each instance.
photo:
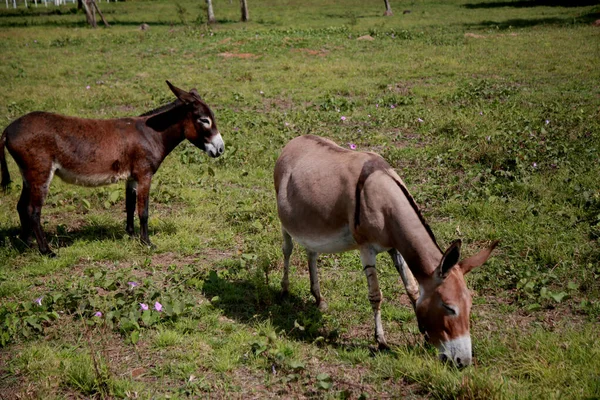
column 236, row 55
column 478, row 36
column 474, row 35
column 126, row 108
column 366, row 37
column 320, row 53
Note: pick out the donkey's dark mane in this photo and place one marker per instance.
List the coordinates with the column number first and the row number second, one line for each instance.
column 415, row 207
column 163, row 108
column 325, row 143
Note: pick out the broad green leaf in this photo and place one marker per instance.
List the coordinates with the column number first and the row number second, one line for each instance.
column 134, row 336
column 114, row 196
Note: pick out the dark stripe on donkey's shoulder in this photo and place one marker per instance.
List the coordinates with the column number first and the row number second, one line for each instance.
column 375, row 163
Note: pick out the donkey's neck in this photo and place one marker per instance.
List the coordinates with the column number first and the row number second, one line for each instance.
column 412, row 237
column 170, row 127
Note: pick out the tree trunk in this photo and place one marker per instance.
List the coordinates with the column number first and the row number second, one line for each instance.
column 245, row 15
column 100, row 12
column 88, row 8
column 388, row 9
column 211, row 13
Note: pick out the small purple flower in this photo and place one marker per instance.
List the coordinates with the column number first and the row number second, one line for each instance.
column 158, row 306
column 392, row 106
column 547, row 121
column 352, row 146
column 144, row 306
column 488, row 138
column 343, row 118
column 261, row 92
column 35, row 41
column 98, row 314
column 287, row 124
column 87, row 87
column 38, row 301
column 534, row 165
column 369, row 115
column 376, row 105
column 420, row 119
column 132, row 284
column 480, row 112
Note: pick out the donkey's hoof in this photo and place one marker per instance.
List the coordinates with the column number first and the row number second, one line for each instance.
column 383, row 346
column 322, row 306
column 49, row 253
column 282, row 296
column 148, row 244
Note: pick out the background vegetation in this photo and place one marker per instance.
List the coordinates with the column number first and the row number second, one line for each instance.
column 489, row 110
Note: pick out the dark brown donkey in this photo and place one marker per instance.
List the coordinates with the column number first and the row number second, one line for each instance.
column 94, row 152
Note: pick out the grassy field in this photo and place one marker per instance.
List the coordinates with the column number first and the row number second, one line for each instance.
column 489, row 110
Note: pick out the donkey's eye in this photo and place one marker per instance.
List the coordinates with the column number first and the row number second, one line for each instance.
column 451, row 310
column 205, row 121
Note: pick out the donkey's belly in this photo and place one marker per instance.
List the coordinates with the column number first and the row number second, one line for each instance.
column 93, row 179
column 330, row 242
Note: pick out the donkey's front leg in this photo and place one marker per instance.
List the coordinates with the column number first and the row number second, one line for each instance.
column 130, row 199
column 143, row 198
column 410, row 283
column 367, row 257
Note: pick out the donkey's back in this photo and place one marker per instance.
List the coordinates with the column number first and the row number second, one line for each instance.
column 316, row 182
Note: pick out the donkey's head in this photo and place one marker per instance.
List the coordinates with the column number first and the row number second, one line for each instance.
column 205, row 134
column 444, row 305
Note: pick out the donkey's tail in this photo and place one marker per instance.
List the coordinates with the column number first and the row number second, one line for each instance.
column 3, row 167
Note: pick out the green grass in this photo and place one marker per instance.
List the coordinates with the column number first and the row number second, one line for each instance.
column 495, row 129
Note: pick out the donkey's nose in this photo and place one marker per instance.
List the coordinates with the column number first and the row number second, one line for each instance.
column 220, row 149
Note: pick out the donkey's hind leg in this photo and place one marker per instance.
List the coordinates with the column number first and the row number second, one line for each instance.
column 287, row 247
column 24, row 214
column 31, row 205
column 315, row 289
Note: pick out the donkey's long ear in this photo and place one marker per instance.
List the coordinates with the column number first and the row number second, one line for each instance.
column 478, row 259
column 449, row 260
column 181, row 94
column 195, row 93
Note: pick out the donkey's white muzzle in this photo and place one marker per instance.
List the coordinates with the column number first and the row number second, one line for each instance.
column 216, row 146
column 457, row 351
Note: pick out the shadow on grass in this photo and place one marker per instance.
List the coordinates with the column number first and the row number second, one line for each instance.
column 532, row 3
column 253, row 301
column 59, row 238
column 526, row 23
column 82, row 23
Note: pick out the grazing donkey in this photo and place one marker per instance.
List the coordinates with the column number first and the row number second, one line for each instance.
column 93, row 152
column 330, row 200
